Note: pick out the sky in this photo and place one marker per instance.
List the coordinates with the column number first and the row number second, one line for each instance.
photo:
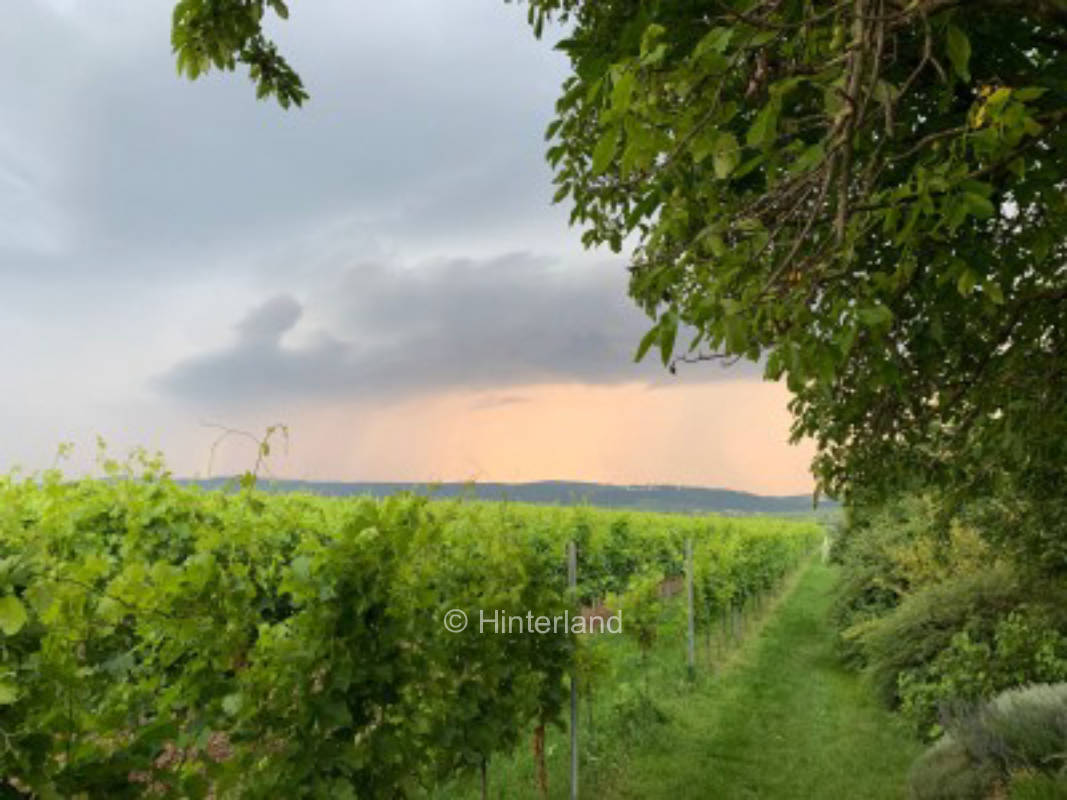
column 381, row 270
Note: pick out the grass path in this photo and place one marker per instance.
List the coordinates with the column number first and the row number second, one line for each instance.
column 785, row 721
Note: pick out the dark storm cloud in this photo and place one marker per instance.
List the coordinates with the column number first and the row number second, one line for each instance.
column 510, row 321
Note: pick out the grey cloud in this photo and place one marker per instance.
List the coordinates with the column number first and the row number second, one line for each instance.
column 489, row 324
column 265, row 324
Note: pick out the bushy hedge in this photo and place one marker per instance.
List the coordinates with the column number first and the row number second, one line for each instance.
column 937, row 618
column 893, row 551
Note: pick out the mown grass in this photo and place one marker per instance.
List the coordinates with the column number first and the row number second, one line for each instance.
column 787, row 721
column 775, row 718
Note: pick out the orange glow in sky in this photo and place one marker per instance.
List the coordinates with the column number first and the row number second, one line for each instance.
column 723, row 434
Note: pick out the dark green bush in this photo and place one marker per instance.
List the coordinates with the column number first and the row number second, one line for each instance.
column 913, row 635
column 1025, row 647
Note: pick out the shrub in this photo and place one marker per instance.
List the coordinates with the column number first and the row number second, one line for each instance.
column 945, row 772
column 1022, row 728
column 913, row 635
column 1019, row 737
column 1024, row 649
column 893, row 552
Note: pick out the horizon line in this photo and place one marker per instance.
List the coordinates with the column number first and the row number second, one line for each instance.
column 477, row 482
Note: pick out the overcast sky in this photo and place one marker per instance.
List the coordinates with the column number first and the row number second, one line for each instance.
column 382, row 269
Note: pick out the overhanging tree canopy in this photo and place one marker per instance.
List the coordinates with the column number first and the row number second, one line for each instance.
column 869, row 195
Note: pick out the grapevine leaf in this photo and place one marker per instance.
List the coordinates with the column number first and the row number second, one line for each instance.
column 12, row 615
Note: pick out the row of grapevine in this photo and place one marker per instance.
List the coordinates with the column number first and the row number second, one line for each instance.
column 160, row 640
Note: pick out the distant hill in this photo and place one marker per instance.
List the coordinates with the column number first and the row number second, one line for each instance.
column 683, row 499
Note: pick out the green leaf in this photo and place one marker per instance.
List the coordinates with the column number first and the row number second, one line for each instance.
column 965, row 283
column 736, row 335
column 715, row 41
column 1028, row 93
column 978, row 206
column 622, row 91
column 668, row 329
column 761, row 133
column 703, row 146
column 640, row 149
column 654, row 57
column 959, row 52
column 808, row 158
column 716, row 243
column 301, row 567
column 232, row 703
column 605, row 150
column 8, row 693
column 646, row 342
column 761, row 38
column 653, row 33
column 749, row 165
column 726, row 155
column 12, row 615
column 1032, row 126
column 997, row 100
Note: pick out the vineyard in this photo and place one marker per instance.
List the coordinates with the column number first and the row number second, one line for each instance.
column 162, row 640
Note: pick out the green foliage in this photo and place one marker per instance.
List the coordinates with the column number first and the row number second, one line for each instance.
column 923, row 626
column 945, row 772
column 223, row 33
column 858, row 195
column 156, row 639
column 893, row 551
column 642, row 609
column 12, row 615
column 1022, row 649
column 1020, row 735
column 307, row 633
column 937, row 617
